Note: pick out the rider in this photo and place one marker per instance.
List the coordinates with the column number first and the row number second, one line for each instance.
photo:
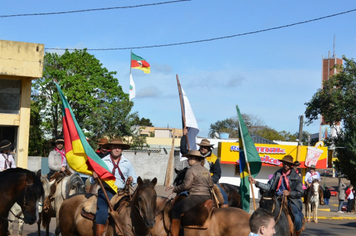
column 124, row 173
column 210, row 157
column 6, row 159
column 262, row 223
column 309, row 177
column 198, row 182
column 102, row 151
column 287, row 182
column 57, row 158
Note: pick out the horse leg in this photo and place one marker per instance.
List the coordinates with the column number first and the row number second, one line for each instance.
column 39, row 224
column 309, row 212
column 316, row 212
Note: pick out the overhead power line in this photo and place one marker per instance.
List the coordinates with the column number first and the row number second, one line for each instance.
column 211, row 39
column 95, row 9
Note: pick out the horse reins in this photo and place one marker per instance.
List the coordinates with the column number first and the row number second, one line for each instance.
column 281, row 208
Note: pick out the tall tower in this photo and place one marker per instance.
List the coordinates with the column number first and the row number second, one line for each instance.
column 328, row 70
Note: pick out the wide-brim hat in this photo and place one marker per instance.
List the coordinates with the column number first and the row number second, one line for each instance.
column 288, row 159
column 205, row 143
column 116, row 141
column 59, row 139
column 102, row 141
column 193, row 153
column 297, row 163
column 5, row 144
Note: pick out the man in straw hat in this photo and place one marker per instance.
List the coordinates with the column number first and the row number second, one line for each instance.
column 6, row 159
column 57, row 158
column 286, row 182
column 213, row 161
column 102, row 151
column 124, row 173
column 197, row 182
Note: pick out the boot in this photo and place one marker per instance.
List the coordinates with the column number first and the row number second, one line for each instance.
column 99, row 229
column 175, row 227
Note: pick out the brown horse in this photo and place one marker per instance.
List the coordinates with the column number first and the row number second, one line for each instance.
column 23, row 187
column 221, row 221
column 135, row 216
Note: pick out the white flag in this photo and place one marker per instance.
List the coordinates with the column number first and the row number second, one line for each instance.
column 190, row 123
column 132, row 92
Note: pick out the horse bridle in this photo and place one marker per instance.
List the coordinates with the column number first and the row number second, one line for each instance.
column 273, row 207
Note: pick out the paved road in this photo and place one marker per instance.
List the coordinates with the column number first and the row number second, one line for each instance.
column 331, row 227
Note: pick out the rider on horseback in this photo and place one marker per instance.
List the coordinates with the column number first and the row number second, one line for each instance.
column 213, row 161
column 198, row 182
column 286, row 182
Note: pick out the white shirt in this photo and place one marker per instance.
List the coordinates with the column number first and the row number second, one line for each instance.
column 10, row 158
column 309, row 177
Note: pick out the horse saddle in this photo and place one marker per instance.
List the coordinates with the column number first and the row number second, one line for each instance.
column 198, row 217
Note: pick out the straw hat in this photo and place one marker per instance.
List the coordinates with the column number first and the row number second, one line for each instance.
column 102, row 141
column 117, row 141
column 287, row 159
column 205, row 143
column 5, row 144
column 193, row 153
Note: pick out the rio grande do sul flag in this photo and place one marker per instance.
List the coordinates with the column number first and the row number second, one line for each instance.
column 140, row 63
column 79, row 154
column 248, row 154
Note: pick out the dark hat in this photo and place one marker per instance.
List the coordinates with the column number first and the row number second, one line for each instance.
column 193, row 153
column 5, row 144
column 297, row 163
column 287, row 159
column 117, row 141
column 59, row 139
column 205, row 143
column 312, row 166
column 102, row 141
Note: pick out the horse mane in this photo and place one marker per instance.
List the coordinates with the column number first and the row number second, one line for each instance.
column 315, row 180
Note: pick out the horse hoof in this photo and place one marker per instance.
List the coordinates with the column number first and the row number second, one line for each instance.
column 308, row 221
column 315, row 221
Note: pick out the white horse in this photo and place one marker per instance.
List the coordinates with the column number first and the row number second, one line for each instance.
column 66, row 187
column 312, row 201
column 16, row 211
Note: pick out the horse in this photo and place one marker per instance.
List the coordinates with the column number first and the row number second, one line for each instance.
column 23, row 187
column 136, row 216
column 232, row 191
column 16, row 211
column 61, row 189
column 284, row 223
column 312, row 201
column 228, row 221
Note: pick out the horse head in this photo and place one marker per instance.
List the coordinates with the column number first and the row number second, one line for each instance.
column 32, row 193
column 180, row 176
column 144, row 201
column 46, row 187
column 268, row 201
column 314, row 188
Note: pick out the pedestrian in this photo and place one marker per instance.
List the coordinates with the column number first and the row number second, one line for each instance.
column 6, row 159
column 327, row 195
column 262, row 223
column 57, row 158
column 124, row 173
column 342, row 195
column 350, row 195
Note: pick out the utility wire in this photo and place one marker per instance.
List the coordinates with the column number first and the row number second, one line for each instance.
column 212, row 39
column 95, row 9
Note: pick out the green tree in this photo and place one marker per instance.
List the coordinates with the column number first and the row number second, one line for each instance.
column 98, row 102
column 142, row 122
column 336, row 103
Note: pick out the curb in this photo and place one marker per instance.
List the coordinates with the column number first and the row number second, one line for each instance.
column 336, row 218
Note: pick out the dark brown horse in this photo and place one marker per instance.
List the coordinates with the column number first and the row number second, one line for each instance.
column 229, row 221
column 23, row 187
column 135, row 216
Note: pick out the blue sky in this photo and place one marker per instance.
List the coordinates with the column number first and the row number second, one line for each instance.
column 269, row 74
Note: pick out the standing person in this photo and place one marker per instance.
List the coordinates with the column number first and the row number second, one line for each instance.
column 124, row 173
column 6, row 159
column 213, row 161
column 350, row 195
column 262, row 223
column 286, row 182
column 198, row 182
column 327, row 196
column 342, row 195
column 57, row 158
column 102, row 151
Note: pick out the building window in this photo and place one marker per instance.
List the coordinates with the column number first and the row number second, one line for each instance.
column 10, row 94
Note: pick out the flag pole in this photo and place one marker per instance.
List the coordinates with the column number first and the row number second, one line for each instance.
column 182, row 108
column 248, row 165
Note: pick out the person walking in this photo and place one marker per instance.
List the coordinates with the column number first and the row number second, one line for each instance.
column 327, row 196
column 342, row 195
column 350, row 195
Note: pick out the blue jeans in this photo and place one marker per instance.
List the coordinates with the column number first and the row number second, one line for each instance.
column 326, row 201
column 341, row 202
column 223, row 194
column 102, row 212
column 298, row 216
